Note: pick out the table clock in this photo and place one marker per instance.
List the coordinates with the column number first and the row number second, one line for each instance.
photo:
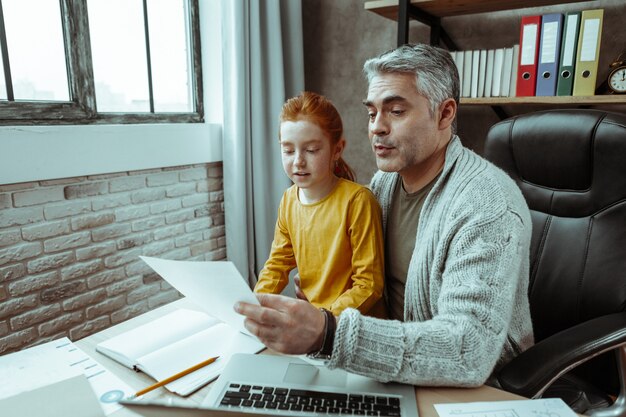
column 617, row 76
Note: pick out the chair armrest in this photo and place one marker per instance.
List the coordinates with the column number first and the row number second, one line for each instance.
column 530, row 373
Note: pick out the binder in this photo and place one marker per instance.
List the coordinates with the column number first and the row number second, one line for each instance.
column 588, row 52
column 569, row 45
column 459, row 66
column 489, row 72
column 549, row 53
column 453, row 56
column 467, row 74
column 498, row 62
column 513, row 90
column 482, row 71
column 529, row 50
column 475, row 68
column 507, row 64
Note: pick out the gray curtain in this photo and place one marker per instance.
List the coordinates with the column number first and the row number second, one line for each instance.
column 263, row 65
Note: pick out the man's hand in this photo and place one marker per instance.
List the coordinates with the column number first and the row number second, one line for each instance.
column 284, row 324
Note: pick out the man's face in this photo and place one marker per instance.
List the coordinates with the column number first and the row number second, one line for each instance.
column 402, row 132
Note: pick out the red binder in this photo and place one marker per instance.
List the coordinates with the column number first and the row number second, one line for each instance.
column 530, row 30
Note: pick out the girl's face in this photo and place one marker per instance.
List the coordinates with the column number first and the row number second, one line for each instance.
column 309, row 157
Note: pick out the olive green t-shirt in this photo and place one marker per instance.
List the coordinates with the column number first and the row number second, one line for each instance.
column 400, row 238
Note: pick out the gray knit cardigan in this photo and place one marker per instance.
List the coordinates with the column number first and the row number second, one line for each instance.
column 466, row 309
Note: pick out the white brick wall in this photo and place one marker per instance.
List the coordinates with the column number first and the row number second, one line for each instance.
column 69, row 248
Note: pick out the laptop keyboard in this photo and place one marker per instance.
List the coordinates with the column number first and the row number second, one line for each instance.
column 243, row 396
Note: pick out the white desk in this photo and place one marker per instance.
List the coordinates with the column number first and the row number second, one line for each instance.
column 426, row 397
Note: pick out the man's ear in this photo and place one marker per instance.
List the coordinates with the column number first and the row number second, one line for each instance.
column 447, row 113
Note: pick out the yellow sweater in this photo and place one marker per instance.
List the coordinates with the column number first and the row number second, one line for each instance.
column 337, row 246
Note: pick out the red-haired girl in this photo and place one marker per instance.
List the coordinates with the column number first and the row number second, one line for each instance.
column 328, row 226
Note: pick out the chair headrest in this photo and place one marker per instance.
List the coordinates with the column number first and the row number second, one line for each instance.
column 563, row 158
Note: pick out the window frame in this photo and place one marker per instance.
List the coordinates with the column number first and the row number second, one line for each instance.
column 82, row 108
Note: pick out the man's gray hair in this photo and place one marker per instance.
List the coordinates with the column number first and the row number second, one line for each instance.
column 436, row 75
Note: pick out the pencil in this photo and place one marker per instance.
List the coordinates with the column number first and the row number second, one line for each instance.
column 176, row 376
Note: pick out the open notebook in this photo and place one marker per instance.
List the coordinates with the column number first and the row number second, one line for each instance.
column 175, row 342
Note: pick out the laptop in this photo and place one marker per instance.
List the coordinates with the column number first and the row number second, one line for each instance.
column 270, row 385
column 154, row 408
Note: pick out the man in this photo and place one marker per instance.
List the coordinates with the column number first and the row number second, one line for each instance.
column 457, row 233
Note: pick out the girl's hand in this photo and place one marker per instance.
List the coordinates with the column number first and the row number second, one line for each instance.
column 299, row 293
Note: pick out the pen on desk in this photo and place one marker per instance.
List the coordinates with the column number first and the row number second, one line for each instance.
column 176, row 376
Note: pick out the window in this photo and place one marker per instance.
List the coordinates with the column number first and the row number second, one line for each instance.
column 99, row 61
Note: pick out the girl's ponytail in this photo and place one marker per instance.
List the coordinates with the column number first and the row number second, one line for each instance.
column 343, row 170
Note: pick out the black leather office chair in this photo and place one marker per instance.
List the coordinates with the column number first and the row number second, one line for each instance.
column 571, row 168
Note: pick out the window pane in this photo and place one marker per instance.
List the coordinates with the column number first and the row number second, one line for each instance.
column 170, row 55
column 36, row 49
column 118, row 48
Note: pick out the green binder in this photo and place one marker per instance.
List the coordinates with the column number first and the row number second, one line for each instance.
column 567, row 63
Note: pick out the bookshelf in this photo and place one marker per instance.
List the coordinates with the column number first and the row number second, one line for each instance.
column 430, row 12
column 547, row 100
column 438, row 8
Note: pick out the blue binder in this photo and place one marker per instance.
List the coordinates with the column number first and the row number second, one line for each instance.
column 549, row 54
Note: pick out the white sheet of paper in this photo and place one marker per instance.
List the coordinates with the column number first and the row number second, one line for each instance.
column 213, row 286
column 543, row 407
column 49, row 363
column 69, row 397
column 33, row 368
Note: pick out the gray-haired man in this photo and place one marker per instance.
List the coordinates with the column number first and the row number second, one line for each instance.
column 457, row 236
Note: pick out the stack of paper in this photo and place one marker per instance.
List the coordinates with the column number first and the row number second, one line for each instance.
column 553, row 407
column 42, row 376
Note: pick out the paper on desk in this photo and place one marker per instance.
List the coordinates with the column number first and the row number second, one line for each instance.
column 69, row 397
column 543, row 407
column 33, row 368
column 213, row 286
column 50, row 363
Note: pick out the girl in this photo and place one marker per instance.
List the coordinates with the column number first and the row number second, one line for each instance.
column 328, row 226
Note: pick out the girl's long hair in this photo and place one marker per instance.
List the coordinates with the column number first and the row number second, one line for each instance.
column 319, row 110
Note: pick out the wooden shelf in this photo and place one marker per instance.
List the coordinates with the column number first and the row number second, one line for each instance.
column 560, row 100
column 443, row 8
